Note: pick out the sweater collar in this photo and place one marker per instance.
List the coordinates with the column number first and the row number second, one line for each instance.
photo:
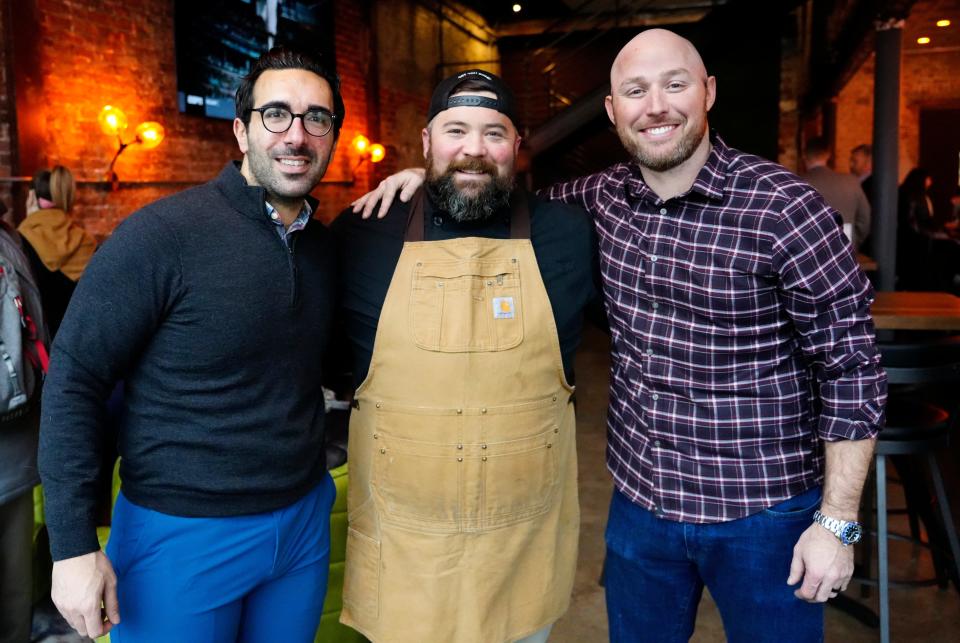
column 248, row 200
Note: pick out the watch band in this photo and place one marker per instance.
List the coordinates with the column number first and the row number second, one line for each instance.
column 846, row 531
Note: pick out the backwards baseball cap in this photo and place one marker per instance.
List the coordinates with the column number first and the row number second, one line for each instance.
column 481, row 81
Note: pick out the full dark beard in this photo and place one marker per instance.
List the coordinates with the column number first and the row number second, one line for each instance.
column 492, row 196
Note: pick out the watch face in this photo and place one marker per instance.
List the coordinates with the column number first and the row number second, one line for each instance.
column 851, row 533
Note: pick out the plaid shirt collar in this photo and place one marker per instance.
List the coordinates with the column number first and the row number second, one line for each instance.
column 298, row 224
column 710, row 181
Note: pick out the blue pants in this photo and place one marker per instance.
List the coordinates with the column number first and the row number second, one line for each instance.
column 252, row 578
column 656, row 570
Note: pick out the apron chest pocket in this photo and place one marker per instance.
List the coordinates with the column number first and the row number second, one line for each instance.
column 466, row 306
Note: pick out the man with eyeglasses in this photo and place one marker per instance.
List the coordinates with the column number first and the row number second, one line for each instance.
column 213, row 306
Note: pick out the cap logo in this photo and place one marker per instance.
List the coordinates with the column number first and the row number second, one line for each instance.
column 474, row 72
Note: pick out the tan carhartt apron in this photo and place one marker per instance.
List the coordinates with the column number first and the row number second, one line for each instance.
column 463, row 504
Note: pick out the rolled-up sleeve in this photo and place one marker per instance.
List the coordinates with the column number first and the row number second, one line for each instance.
column 827, row 297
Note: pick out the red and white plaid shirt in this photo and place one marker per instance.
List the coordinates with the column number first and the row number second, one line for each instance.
column 741, row 336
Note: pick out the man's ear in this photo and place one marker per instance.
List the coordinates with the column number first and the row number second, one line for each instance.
column 711, row 91
column 240, row 132
column 425, row 136
column 608, row 104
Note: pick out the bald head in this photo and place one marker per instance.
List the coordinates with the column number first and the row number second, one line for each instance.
column 659, row 98
column 656, row 49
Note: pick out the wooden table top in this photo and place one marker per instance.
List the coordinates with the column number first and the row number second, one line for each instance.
column 867, row 264
column 916, row 311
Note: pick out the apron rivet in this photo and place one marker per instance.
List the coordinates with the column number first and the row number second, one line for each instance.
column 556, row 430
column 383, row 450
column 378, row 405
column 483, row 446
column 459, row 411
column 460, row 446
column 376, row 437
column 549, row 446
column 483, row 410
column 554, row 398
column 419, row 263
column 489, row 283
column 459, row 459
column 484, row 458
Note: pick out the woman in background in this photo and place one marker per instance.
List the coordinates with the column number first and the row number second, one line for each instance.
column 58, row 248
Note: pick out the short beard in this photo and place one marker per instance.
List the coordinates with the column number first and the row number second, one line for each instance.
column 662, row 162
column 462, row 207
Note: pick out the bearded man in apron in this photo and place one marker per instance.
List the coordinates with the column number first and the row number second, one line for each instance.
column 464, row 309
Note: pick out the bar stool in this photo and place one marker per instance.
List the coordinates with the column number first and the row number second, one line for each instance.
column 916, row 428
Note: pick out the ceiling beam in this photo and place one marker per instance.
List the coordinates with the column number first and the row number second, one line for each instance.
column 607, row 21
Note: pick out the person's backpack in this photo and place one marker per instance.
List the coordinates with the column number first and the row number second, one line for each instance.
column 23, row 335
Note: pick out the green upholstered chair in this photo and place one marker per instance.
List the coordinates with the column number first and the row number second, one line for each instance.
column 42, row 563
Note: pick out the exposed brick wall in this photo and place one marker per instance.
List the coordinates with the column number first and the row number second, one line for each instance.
column 925, row 79
column 91, row 52
column 87, row 53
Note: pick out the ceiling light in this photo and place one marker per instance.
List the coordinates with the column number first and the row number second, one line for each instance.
column 923, row 41
column 943, row 23
column 517, row 8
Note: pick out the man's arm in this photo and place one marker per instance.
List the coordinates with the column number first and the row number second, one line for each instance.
column 820, row 560
column 114, row 311
column 828, row 299
column 405, row 181
column 583, row 192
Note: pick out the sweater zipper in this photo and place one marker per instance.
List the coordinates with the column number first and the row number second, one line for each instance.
column 291, row 260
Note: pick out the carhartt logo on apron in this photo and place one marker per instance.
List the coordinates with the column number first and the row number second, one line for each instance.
column 503, row 307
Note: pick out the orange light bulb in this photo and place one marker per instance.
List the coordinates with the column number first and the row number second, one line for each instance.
column 360, row 143
column 150, row 134
column 112, row 120
column 377, row 152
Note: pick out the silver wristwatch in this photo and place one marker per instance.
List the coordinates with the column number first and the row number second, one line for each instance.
column 849, row 533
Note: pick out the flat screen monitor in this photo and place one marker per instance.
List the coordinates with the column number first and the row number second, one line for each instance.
column 217, row 41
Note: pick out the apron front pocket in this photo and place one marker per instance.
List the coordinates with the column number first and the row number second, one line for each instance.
column 444, row 471
column 466, row 306
column 361, row 575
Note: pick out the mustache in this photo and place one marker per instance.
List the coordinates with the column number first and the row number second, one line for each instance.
column 472, row 165
column 291, row 150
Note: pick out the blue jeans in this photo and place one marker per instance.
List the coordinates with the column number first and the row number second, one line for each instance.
column 261, row 577
column 656, row 570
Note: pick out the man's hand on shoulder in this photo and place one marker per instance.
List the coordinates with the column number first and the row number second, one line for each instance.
column 822, row 562
column 405, row 182
column 85, row 591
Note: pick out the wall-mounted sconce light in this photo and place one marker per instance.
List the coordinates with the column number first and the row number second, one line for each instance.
column 374, row 152
column 923, row 40
column 113, row 121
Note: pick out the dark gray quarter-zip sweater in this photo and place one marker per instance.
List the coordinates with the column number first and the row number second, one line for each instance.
column 218, row 331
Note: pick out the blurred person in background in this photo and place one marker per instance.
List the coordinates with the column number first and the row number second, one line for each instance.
column 57, row 247
column 841, row 191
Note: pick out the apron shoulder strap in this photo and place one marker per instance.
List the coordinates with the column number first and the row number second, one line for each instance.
column 519, row 216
